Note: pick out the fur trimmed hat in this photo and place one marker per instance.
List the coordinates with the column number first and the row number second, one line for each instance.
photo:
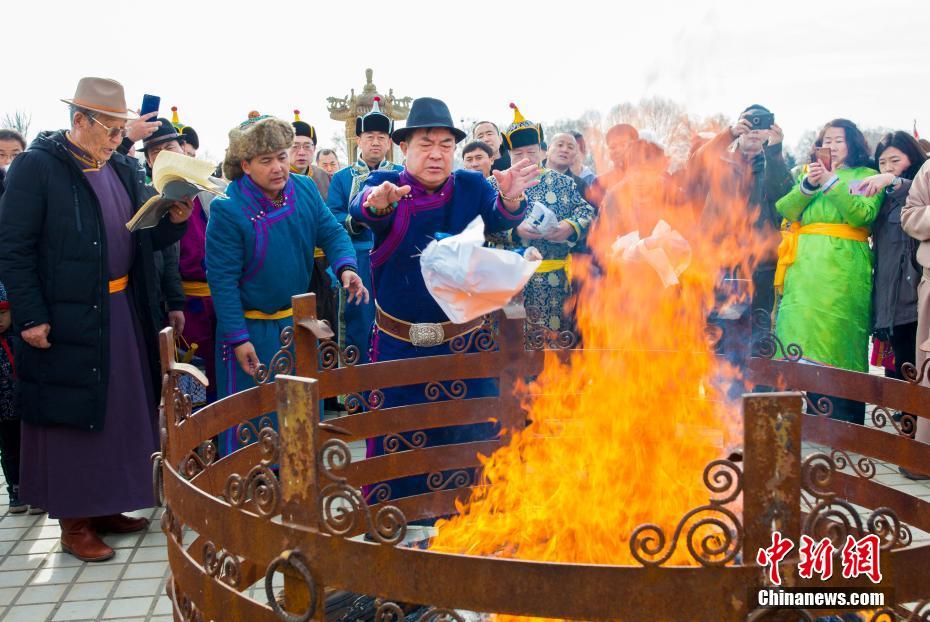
column 257, row 135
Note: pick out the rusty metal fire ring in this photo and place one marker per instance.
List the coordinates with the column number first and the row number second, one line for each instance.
column 295, row 561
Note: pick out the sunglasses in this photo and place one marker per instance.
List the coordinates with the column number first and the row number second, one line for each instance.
column 112, row 132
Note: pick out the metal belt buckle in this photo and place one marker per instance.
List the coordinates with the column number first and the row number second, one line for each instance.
column 426, row 335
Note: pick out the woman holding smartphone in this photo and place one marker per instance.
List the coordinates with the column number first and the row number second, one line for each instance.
column 897, row 273
column 824, row 269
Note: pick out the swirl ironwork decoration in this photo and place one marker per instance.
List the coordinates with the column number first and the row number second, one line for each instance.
column 247, row 433
column 342, row 506
column 540, row 337
column 356, row 402
column 184, row 608
column 864, row 467
column 389, row 612
column 835, row 518
column 221, row 564
column 436, row 614
column 158, row 479
column 714, row 533
column 891, row 532
column 769, row 346
column 823, row 407
column 481, row 339
column 281, row 363
column 437, row 481
column 394, row 442
column 294, row 561
column 378, row 494
column 260, row 485
column 198, row 460
column 435, row 390
column 762, row 319
column 171, row 526
column 183, row 405
column 883, row 615
column 912, row 374
column 882, row 417
column 331, row 356
column 816, row 474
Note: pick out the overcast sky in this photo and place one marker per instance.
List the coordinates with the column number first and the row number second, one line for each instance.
column 808, row 60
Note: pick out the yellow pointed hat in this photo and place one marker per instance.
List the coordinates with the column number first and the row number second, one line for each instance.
column 522, row 133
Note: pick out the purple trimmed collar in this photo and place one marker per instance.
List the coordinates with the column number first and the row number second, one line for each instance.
column 258, row 199
column 420, row 198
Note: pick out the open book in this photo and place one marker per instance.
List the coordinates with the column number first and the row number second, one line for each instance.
column 176, row 177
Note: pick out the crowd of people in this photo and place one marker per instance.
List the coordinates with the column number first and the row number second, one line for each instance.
column 841, row 244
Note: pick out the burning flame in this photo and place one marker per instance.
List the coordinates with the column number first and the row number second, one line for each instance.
column 620, row 435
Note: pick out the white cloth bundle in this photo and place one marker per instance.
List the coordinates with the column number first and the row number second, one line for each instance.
column 468, row 280
column 665, row 250
column 542, row 219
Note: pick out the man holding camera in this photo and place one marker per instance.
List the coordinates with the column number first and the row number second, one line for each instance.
column 735, row 180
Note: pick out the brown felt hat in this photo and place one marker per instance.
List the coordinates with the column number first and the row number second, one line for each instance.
column 101, row 95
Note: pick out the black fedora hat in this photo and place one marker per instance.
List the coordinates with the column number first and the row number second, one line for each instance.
column 428, row 112
column 166, row 132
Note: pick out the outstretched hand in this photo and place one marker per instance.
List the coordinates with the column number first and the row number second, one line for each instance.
column 518, row 178
column 380, row 200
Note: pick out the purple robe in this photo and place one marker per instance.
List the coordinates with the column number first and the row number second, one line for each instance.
column 75, row 473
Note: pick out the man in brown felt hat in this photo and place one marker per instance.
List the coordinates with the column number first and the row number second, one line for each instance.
column 82, row 289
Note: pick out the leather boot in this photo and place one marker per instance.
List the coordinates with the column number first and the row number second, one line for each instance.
column 119, row 523
column 79, row 539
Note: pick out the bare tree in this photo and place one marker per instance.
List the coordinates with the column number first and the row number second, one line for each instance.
column 338, row 144
column 875, row 134
column 19, row 121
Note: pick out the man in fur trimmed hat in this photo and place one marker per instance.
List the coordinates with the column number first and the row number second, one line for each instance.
column 406, row 210
column 374, row 143
column 548, row 289
column 260, row 250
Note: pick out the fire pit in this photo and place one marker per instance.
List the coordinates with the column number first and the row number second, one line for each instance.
column 295, row 502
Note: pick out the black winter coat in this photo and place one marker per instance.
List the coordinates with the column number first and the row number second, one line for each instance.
column 53, row 261
column 897, row 273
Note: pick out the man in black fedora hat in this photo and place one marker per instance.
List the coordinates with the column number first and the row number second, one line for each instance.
column 405, row 210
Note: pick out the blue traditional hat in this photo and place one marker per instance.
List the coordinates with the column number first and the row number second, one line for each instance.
column 375, row 120
column 522, row 133
column 4, row 302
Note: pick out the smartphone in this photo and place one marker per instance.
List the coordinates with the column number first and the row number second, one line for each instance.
column 150, row 103
column 857, row 187
column 824, row 157
column 761, row 121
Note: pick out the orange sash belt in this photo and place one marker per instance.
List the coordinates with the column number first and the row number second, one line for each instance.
column 120, row 284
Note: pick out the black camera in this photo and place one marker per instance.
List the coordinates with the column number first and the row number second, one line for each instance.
column 761, row 120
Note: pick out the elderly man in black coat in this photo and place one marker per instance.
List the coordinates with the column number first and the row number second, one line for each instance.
column 82, row 292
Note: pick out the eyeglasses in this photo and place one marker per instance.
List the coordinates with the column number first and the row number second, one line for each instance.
column 302, row 146
column 112, row 132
